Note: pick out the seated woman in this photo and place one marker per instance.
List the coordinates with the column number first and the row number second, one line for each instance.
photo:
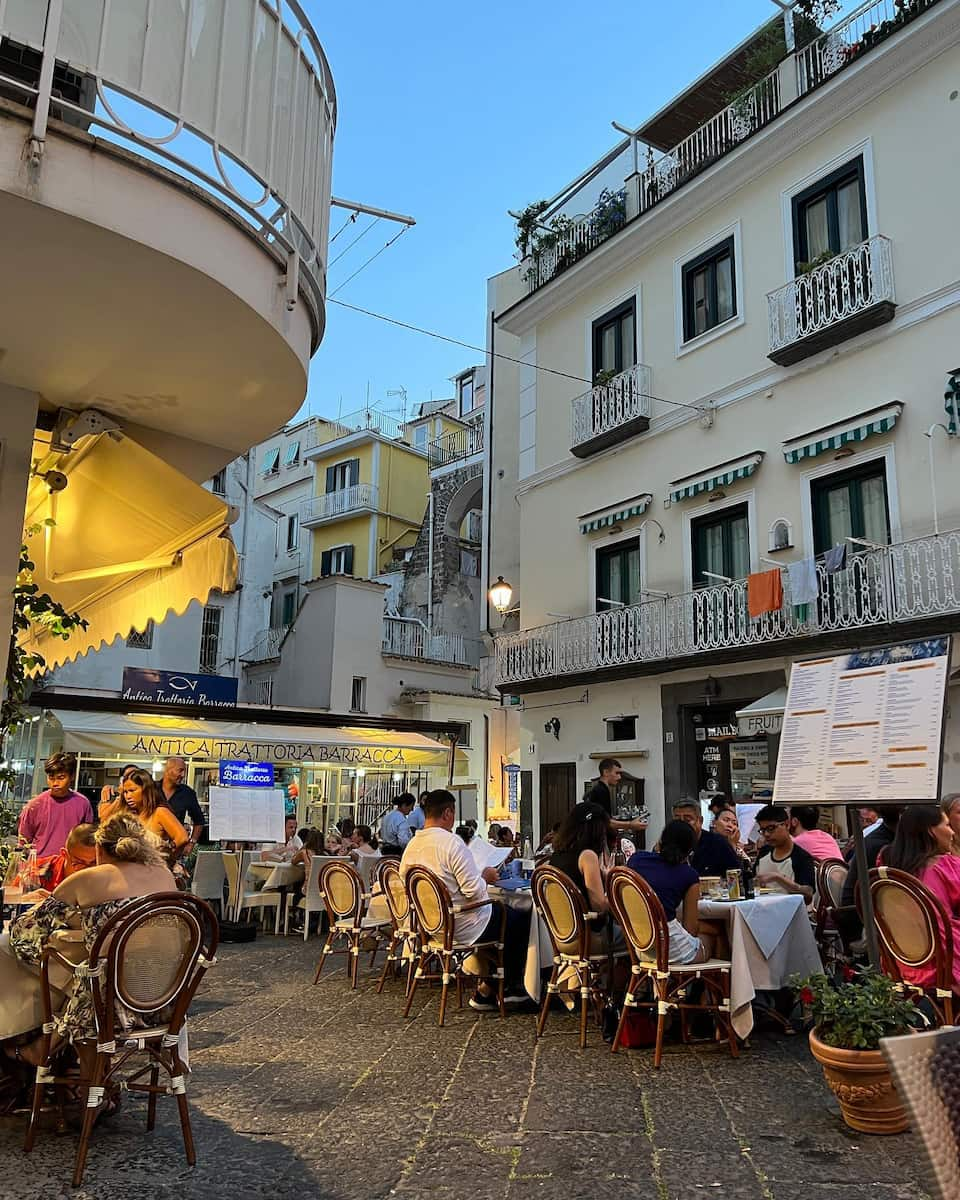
column 951, row 806
column 677, row 886
column 313, row 843
column 579, row 846
column 922, row 847
column 129, row 865
column 363, row 844
column 726, row 824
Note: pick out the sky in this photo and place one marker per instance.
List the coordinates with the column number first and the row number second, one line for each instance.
column 455, row 113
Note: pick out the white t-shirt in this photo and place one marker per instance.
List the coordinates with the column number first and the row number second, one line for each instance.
column 284, row 850
column 768, row 865
column 441, row 851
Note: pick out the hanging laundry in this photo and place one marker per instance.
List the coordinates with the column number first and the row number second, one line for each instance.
column 804, row 588
column 835, row 559
column 764, row 592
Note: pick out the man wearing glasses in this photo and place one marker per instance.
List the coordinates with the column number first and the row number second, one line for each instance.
column 782, row 863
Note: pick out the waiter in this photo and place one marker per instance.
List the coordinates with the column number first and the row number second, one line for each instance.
column 182, row 801
column 604, row 791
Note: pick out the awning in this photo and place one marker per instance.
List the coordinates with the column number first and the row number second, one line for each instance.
column 719, row 476
column 110, row 735
column 131, row 540
column 832, row 437
column 764, row 715
column 623, row 511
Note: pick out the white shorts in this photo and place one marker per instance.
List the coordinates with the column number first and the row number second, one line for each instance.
column 684, row 946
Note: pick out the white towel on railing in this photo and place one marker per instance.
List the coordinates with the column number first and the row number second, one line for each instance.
column 803, row 581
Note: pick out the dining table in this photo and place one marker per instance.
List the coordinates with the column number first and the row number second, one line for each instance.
column 517, row 893
column 274, row 875
column 771, row 939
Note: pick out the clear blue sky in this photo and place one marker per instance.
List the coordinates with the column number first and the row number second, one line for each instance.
column 454, row 113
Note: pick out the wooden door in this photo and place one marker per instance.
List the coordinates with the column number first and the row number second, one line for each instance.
column 558, row 792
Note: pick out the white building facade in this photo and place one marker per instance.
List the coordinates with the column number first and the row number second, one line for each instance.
column 764, row 309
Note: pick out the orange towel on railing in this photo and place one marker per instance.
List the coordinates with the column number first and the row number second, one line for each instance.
column 764, row 592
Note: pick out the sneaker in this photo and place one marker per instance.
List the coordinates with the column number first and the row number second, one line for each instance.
column 481, row 1003
column 515, row 996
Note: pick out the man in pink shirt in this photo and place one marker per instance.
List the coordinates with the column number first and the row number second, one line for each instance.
column 804, row 822
column 47, row 819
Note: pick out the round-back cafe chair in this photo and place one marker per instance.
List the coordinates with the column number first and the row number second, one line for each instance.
column 915, row 932
column 141, row 973
column 436, row 916
column 564, row 912
column 831, row 874
column 403, row 936
column 346, row 903
column 638, row 910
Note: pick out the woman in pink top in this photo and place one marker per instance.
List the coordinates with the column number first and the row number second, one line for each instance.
column 951, row 806
column 922, row 848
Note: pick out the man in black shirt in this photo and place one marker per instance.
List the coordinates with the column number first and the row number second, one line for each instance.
column 182, row 801
column 712, row 854
column 604, row 791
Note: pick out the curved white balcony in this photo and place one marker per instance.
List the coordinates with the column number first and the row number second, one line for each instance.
column 165, row 178
column 611, row 412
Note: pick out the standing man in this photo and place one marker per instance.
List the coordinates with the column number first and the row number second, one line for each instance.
column 417, row 818
column 182, row 802
column 395, row 829
column 604, row 792
column 47, row 819
column 712, row 854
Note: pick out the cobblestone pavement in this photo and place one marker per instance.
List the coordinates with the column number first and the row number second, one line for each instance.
column 303, row 1091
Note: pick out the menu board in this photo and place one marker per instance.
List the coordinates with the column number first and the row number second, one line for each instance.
column 247, row 814
column 865, row 728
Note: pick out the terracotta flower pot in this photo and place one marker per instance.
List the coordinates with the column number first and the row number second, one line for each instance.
column 861, row 1082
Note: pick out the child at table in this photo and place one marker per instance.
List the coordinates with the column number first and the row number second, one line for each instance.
column 677, row 886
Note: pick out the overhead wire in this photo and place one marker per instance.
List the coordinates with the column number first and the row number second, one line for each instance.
column 350, row 245
column 349, row 221
column 700, row 408
column 363, row 266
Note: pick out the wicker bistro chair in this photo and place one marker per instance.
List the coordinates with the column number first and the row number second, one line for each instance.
column 148, row 960
column 435, row 915
column 914, row 931
column 404, row 943
column 240, row 896
column 346, row 903
column 830, row 878
column 639, row 911
column 563, row 909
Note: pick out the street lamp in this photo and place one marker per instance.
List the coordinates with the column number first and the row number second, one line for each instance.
column 500, row 595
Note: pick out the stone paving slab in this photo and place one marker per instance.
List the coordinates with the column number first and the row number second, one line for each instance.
column 320, row 1093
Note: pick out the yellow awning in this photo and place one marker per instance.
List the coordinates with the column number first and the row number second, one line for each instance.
column 131, row 540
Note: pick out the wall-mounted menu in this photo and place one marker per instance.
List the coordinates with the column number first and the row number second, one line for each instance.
column 866, row 727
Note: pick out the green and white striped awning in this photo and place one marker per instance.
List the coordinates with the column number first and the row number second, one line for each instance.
column 832, row 437
column 719, row 476
column 603, row 517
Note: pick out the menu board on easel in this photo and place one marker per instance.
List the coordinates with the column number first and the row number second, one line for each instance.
column 865, row 728
column 247, row 814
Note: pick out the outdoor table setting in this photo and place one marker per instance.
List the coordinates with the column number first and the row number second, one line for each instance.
column 516, row 893
column 267, row 875
column 771, row 939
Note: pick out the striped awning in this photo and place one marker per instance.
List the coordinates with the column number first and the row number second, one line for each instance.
column 603, row 517
column 832, row 437
column 719, row 476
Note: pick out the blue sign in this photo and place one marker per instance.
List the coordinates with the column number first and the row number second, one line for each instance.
column 237, row 773
column 173, row 687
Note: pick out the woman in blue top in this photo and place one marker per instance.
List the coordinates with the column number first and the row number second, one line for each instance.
column 677, row 886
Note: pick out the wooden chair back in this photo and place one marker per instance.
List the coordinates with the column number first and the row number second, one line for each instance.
column 432, row 907
column 150, row 956
column 394, row 892
column 914, row 929
column 342, row 891
column 637, row 909
column 830, row 878
column 563, row 910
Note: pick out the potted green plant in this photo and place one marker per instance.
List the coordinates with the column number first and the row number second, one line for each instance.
column 849, row 1019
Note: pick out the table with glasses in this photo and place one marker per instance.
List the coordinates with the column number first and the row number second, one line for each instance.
column 771, row 939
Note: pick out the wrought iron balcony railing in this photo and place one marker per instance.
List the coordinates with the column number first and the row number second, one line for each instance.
column 266, row 646
column 846, row 295
column 406, row 637
column 359, row 498
column 453, row 446
column 611, row 411
column 907, row 583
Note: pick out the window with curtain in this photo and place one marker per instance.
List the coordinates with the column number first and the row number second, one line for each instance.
column 830, row 216
column 721, row 546
column 618, row 575
column 851, row 503
column 709, row 290
column 615, row 339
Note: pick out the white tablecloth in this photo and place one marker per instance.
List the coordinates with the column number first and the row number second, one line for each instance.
column 539, row 950
column 771, row 938
column 275, row 875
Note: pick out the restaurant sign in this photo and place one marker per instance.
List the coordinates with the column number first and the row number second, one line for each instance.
column 237, row 773
column 173, row 687
column 162, row 746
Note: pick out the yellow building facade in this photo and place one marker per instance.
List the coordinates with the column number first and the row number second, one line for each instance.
column 368, row 504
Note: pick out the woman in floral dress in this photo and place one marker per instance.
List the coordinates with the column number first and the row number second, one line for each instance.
column 129, row 865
